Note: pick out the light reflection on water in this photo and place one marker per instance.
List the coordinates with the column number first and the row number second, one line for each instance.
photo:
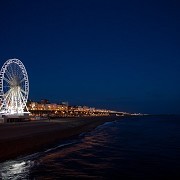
column 15, row 169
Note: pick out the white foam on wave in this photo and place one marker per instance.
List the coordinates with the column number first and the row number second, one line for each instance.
column 60, row 146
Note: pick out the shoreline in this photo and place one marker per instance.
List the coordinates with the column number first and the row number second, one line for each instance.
column 20, row 139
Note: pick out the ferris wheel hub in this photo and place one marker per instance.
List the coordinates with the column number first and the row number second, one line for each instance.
column 15, row 82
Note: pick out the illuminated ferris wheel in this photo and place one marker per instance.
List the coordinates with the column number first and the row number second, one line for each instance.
column 14, row 87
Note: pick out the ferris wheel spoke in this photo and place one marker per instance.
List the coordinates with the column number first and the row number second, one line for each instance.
column 7, row 80
column 11, row 70
column 7, row 96
column 22, row 97
column 7, row 93
column 8, row 75
column 14, row 69
column 9, row 99
column 20, row 75
column 20, row 72
column 14, row 72
column 5, row 84
column 22, row 80
column 23, row 91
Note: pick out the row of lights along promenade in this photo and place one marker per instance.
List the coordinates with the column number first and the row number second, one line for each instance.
column 44, row 109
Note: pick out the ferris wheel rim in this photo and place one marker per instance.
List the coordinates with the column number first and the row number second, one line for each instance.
column 23, row 92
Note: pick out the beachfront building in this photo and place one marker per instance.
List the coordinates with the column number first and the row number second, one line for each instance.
column 64, row 110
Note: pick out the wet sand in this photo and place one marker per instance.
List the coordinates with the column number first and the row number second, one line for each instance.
column 18, row 139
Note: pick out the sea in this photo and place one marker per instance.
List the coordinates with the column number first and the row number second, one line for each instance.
column 142, row 147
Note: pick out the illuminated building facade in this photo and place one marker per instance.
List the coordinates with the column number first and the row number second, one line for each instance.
column 64, row 110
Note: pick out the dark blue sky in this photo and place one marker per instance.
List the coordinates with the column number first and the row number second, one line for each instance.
column 122, row 55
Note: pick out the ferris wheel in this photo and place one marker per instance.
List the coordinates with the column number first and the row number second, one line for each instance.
column 14, row 87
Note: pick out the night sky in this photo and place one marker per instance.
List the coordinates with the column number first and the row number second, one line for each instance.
column 120, row 55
